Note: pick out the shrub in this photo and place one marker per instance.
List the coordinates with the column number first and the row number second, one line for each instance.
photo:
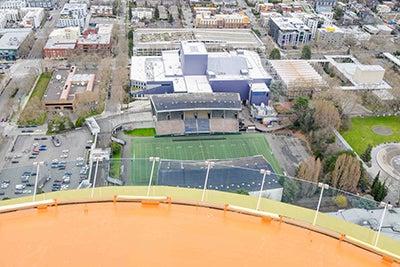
column 340, row 201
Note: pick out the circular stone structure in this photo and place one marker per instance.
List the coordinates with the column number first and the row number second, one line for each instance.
column 388, row 159
column 382, row 130
column 140, row 234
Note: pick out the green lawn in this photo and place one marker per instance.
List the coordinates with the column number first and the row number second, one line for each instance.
column 141, row 132
column 115, row 164
column 196, row 148
column 41, row 85
column 361, row 134
column 34, row 102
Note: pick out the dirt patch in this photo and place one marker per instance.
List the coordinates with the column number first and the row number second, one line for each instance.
column 382, row 130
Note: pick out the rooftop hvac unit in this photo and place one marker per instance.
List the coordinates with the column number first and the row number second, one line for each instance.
column 244, row 72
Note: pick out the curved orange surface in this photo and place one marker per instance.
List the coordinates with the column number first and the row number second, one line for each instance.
column 129, row 234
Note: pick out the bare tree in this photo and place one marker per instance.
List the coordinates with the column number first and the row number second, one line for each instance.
column 326, row 114
column 347, row 173
column 309, row 170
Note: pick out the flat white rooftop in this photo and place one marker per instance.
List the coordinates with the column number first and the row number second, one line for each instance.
column 297, row 73
column 350, row 68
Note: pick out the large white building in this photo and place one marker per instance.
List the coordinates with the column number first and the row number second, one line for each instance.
column 192, row 69
column 142, row 13
column 358, row 76
column 32, row 17
column 73, row 15
column 12, row 4
column 207, row 20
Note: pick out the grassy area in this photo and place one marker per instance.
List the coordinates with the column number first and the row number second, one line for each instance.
column 361, row 133
column 141, row 132
column 216, row 197
column 196, row 148
column 41, row 85
column 115, row 164
column 33, row 113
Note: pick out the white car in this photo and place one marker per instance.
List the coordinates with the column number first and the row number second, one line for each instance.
column 20, row 186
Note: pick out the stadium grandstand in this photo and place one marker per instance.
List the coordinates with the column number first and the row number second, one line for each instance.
column 186, row 113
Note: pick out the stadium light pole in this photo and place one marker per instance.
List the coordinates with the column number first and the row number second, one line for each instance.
column 209, row 166
column 385, row 207
column 36, row 178
column 322, row 186
column 95, row 176
column 264, row 173
column 154, row 159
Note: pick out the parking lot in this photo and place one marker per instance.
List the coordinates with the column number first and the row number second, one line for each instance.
column 62, row 163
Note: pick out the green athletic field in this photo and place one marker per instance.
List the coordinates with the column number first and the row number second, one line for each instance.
column 196, row 148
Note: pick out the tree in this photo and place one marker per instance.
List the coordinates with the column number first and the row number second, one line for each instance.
column 326, row 115
column 156, row 13
column 306, row 52
column 275, row 54
column 338, row 13
column 309, row 170
column 366, row 155
column 378, row 189
column 347, row 173
column 170, row 18
column 130, row 12
column 303, row 114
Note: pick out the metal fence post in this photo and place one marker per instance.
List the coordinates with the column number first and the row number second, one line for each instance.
column 385, row 207
column 36, row 178
column 154, row 159
column 264, row 173
column 95, row 177
column 322, row 186
column 209, row 165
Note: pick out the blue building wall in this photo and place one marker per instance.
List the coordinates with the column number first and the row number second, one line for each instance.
column 259, row 97
column 8, row 54
column 164, row 88
column 194, row 64
column 233, row 86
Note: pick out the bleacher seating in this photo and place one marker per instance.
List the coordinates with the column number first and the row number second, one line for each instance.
column 203, row 125
column 190, row 126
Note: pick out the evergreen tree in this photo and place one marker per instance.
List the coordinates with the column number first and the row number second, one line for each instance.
column 306, row 52
column 275, row 54
column 366, row 156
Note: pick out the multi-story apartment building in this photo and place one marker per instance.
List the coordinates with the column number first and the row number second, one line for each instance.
column 101, row 11
column 32, row 17
column 48, row 4
column 142, row 13
column 324, row 6
column 206, row 20
column 73, row 15
column 12, row 4
column 288, row 31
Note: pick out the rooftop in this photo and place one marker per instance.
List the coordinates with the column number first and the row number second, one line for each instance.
column 193, row 235
column 361, row 76
column 13, row 40
column 66, row 82
column 197, row 101
column 171, row 38
column 296, row 72
column 290, row 23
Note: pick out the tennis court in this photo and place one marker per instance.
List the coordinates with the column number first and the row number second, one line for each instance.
column 196, row 148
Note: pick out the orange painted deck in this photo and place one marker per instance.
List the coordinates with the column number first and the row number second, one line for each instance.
column 131, row 234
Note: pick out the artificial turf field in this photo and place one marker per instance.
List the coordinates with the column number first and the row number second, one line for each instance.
column 361, row 133
column 196, row 148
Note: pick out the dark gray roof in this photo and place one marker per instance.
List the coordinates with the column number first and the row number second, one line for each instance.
column 197, row 101
column 225, row 175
